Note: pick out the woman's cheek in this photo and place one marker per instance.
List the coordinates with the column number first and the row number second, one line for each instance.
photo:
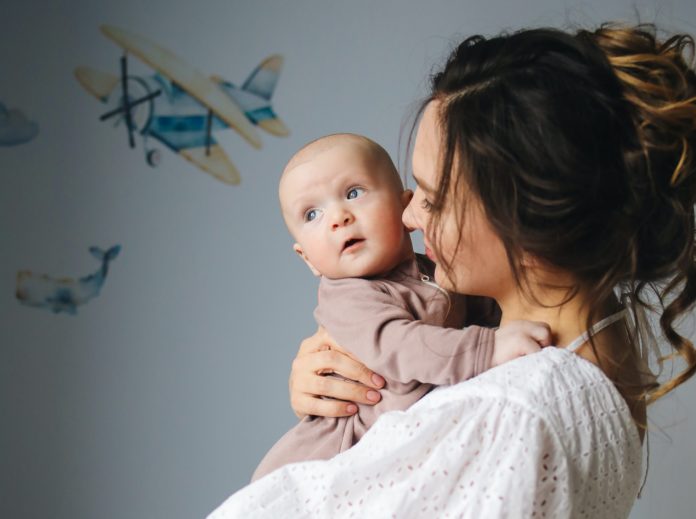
column 444, row 280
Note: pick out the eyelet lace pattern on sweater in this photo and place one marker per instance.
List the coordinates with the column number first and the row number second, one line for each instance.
column 547, row 435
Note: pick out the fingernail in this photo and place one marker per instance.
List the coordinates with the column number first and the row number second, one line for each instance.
column 377, row 380
column 373, row 395
column 352, row 408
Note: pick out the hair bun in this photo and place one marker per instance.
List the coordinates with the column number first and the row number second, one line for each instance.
column 661, row 86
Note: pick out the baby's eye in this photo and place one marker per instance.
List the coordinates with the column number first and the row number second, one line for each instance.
column 355, row 192
column 311, row 214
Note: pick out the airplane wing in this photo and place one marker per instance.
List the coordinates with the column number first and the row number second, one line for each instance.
column 216, row 163
column 262, row 81
column 99, row 84
column 191, row 80
column 274, row 126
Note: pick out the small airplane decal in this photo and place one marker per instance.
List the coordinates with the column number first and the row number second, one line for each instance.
column 64, row 294
column 15, row 127
column 181, row 107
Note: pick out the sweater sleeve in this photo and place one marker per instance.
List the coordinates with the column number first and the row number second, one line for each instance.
column 383, row 334
column 468, row 458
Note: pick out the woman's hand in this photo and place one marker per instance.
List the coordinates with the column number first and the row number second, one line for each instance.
column 319, row 356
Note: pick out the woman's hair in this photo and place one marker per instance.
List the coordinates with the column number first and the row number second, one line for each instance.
column 581, row 149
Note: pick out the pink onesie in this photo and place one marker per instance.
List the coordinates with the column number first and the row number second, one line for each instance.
column 403, row 327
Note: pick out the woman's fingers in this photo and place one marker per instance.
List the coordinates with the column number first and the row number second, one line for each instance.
column 311, row 405
column 342, row 390
column 307, row 380
column 312, row 344
column 332, row 361
column 321, row 340
column 342, row 395
column 313, row 393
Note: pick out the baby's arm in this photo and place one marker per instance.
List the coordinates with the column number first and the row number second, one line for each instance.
column 369, row 322
column 512, row 340
column 479, row 310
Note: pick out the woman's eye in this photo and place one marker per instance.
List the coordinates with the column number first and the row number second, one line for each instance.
column 355, row 192
column 426, row 205
column 311, row 215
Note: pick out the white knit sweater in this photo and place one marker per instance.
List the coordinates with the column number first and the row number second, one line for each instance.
column 547, row 435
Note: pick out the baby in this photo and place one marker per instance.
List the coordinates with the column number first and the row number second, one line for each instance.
column 342, row 200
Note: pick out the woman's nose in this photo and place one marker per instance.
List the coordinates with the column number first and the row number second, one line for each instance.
column 409, row 218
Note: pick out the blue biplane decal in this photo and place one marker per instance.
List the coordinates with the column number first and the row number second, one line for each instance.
column 181, row 108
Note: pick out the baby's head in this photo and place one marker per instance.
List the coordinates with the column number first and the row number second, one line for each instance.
column 342, row 200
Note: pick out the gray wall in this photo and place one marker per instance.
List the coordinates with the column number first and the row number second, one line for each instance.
column 158, row 399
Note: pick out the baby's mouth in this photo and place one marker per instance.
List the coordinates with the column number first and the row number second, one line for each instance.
column 352, row 242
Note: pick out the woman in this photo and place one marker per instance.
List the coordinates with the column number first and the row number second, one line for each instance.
column 551, row 169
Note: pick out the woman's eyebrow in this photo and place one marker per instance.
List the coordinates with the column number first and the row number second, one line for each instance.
column 423, row 185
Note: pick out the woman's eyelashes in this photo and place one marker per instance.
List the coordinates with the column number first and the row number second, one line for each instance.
column 420, row 199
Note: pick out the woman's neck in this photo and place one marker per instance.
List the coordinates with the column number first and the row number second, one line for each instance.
column 613, row 352
column 567, row 319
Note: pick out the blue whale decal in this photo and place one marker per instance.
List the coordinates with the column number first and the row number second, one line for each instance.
column 64, row 294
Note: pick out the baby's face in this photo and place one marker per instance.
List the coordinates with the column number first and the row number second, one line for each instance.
column 345, row 214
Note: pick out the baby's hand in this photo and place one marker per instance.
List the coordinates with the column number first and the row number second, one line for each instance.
column 518, row 338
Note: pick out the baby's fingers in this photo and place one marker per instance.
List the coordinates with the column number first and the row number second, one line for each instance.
column 528, row 346
column 540, row 332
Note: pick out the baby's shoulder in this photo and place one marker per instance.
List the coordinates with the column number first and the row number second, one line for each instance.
column 352, row 288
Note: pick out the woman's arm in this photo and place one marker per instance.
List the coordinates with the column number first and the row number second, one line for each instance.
column 472, row 456
column 318, row 356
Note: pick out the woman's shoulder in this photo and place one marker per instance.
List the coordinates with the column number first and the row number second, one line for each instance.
column 563, row 408
column 555, row 385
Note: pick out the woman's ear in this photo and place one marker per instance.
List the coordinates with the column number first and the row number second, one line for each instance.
column 528, row 261
column 298, row 249
column 406, row 197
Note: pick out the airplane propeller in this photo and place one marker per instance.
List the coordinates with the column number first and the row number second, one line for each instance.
column 126, row 101
column 208, row 129
column 126, row 107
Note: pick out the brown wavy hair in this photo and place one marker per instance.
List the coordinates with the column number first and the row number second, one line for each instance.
column 581, row 149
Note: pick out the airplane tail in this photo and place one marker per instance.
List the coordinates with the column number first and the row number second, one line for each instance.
column 263, row 116
column 99, row 84
column 262, row 82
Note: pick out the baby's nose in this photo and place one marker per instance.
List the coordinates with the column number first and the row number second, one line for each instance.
column 342, row 219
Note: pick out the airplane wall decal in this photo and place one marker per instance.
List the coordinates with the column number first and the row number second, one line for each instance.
column 180, row 107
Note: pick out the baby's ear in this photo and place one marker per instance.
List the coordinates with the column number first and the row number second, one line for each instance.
column 406, row 197
column 298, row 249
